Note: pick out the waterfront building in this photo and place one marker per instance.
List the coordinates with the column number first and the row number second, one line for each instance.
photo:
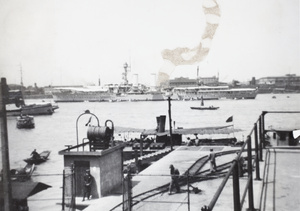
column 278, row 84
column 182, row 82
column 187, row 82
column 288, row 79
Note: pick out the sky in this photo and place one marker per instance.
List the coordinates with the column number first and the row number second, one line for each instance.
column 78, row 42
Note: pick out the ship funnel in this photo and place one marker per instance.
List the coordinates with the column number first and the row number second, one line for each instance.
column 135, row 79
column 161, row 121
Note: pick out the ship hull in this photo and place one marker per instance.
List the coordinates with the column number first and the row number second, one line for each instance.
column 235, row 94
column 33, row 109
column 81, row 97
column 107, row 97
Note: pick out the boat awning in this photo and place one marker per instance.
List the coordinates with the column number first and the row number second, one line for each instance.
column 207, row 130
column 127, row 130
column 22, row 190
column 228, row 129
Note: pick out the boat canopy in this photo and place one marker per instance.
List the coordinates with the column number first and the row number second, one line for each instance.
column 22, row 190
column 228, row 129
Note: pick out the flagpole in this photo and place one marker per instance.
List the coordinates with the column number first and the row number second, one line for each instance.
column 230, row 119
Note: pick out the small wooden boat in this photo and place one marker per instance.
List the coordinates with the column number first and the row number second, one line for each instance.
column 22, row 174
column 202, row 107
column 25, row 122
column 43, row 157
column 205, row 108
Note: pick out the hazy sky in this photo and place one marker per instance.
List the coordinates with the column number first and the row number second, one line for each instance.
column 68, row 42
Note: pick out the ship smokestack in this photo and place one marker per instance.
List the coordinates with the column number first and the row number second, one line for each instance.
column 161, row 122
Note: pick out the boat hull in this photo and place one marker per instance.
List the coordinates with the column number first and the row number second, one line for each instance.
column 109, row 97
column 205, row 108
column 26, row 122
column 33, row 109
column 22, row 174
column 215, row 93
column 81, row 97
column 43, row 158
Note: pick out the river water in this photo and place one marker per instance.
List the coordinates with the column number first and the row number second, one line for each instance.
column 55, row 131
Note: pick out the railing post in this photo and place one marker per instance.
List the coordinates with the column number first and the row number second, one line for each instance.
column 73, row 196
column 250, row 178
column 129, row 191
column 188, row 190
column 256, row 153
column 260, row 139
column 63, row 192
column 170, row 122
column 236, row 186
column 263, row 128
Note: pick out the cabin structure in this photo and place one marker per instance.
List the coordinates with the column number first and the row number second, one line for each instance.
column 98, row 154
column 106, row 169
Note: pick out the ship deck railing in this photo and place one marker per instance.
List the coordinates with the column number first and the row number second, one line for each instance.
column 257, row 134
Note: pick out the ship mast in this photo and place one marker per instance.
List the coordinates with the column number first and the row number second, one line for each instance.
column 21, row 74
column 126, row 70
column 198, row 80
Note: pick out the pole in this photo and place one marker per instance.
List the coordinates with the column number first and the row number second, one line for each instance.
column 250, row 179
column 63, row 192
column 260, row 139
column 257, row 170
column 236, row 186
column 141, row 146
column 263, row 128
column 7, row 193
column 170, row 122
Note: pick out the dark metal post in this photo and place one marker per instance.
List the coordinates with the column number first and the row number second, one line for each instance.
column 63, row 192
column 256, row 153
column 129, row 192
column 141, row 146
column 250, row 178
column 170, row 121
column 188, row 190
column 86, row 112
column 6, row 181
column 260, row 140
column 263, row 128
column 236, row 186
column 73, row 197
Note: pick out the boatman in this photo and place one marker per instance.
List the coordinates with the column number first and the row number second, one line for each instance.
column 174, row 179
column 35, row 155
column 87, row 184
column 212, row 158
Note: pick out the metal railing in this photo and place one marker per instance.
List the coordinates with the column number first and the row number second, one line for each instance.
column 258, row 133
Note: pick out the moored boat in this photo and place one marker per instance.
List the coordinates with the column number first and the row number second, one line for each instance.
column 22, row 174
column 205, row 108
column 214, row 92
column 33, row 109
column 202, row 107
column 81, row 94
column 25, row 122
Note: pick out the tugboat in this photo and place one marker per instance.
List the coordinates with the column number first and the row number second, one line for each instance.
column 25, row 122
